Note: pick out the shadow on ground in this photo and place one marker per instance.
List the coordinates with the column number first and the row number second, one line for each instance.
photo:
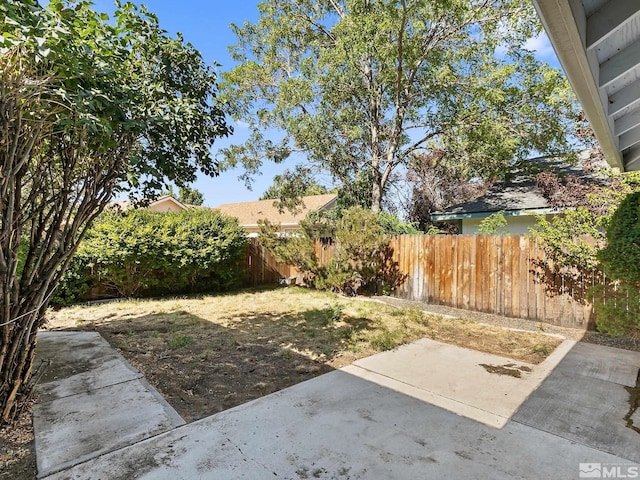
column 202, row 368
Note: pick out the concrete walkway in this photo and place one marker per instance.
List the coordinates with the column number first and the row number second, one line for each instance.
column 425, row 410
column 91, row 402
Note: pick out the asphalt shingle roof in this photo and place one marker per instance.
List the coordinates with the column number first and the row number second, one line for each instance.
column 521, row 192
column 248, row 213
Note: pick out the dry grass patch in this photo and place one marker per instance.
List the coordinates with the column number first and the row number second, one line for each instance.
column 210, row 353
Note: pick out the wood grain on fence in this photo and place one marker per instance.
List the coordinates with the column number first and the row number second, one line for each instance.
column 500, row 274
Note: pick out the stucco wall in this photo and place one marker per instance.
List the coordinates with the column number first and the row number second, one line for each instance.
column 516, row 225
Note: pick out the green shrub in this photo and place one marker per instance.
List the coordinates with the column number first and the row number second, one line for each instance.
column 75, row 284
column 362, row 258
column 620, row 258
column 618, row 313
column 391, row 225
column 146, row 253
column 494, row 224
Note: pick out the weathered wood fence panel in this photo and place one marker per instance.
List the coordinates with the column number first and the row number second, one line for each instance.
column 501, row 274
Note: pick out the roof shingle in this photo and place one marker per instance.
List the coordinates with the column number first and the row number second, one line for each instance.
column 248, row 213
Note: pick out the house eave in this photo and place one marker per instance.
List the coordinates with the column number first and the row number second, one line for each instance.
column 507, row 213
column 607, row 87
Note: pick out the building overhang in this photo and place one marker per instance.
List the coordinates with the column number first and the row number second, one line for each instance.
column 598, row 45
column 443, row 217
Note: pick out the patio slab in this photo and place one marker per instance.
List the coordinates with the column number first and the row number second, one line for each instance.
column 424, row 410
column 457, row 378
column 583, row 401
column 91, row 402
column 344, row 427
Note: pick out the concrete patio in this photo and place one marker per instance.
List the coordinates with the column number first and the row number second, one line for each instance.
column 425, row 410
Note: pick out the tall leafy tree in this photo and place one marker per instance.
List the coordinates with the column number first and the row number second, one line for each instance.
column 362, row 85
column 88, row 107
column 436, row 185
column 190, row 196
column 293, row 184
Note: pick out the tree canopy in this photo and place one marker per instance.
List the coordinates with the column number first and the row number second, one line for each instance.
column 88, row 107
column 293, row 184
column 361, row 86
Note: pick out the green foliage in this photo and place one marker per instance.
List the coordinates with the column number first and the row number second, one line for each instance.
column 180, row 341
column 143, row 252
column 360, row 258
column 568, row 237
column 620, row 259
column 618, row 312
column 190, row 196
column 574, row 237
column 91, row 106
column 186, row 194
column 76, row 282
column 362, row 86
column 294, row 250
column 393, row 226
column 387, row 338
column 577, row 239
column 494, row 224
column 335, row 312
column 289, row 187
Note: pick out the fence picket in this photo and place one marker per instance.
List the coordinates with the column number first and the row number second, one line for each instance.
column 495, row 274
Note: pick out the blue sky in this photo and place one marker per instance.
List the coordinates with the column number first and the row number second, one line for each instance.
column 205, row 24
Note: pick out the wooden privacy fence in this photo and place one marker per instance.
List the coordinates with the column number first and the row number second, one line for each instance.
column 500, row 274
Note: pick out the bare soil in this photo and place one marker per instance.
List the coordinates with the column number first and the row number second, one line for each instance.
column 17, row 455
column 210, row 353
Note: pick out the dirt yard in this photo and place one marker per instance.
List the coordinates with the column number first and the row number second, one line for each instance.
column 207, row 354
column 212, row 353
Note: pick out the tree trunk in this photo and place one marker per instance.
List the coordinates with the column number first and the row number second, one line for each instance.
column 376, row 194
column 17, row 366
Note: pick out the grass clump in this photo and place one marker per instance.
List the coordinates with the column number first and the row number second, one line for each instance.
column 180, row 341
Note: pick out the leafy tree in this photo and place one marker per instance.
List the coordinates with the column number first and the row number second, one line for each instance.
column 494, row 224
column 289, row 188
column 190, row 196
column 186, row 194
column 362, row 85
column 88, row 107
column 293, row 184
column 436, row 185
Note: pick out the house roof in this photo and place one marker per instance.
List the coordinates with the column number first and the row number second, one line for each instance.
column 521, row 195
column 127, row 204
column 248, row 213
column 598, row 45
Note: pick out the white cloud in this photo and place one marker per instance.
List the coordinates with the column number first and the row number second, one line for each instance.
column 541, row 46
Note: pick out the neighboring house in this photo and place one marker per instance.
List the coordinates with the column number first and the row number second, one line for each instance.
column 519, row 199
column 163, row 204
column 166, row 204
column 249, row 213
